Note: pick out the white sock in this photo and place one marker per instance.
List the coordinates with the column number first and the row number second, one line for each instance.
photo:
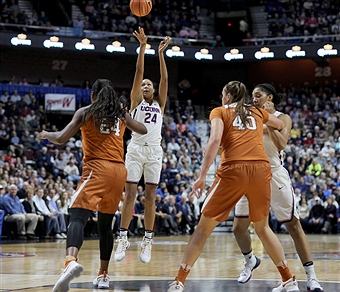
column 249, row 257
column 310, row 272
column 148, row 234
column 123, row 233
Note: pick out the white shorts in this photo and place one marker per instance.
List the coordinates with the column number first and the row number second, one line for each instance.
column 282, row 198
column 145, row 160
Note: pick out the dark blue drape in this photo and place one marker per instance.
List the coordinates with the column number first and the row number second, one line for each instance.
column 82, row 95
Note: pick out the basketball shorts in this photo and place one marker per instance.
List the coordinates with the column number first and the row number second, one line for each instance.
column 101, row 186
column 247, row 178
column 145, row 160
column 282, row 198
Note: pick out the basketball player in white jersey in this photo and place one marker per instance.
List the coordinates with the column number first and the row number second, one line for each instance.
column 144, row 154
column 282, row 197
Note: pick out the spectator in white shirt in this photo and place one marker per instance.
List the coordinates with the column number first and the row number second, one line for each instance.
column 68, row 154
column 15, row 97
column 28, row 97
column 51, row 221
column 31, row 116
column 327, row 149
column 72, row 171
column 173, row 145
column 131, row 20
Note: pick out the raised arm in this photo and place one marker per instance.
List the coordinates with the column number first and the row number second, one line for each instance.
column 69, row 131
column 135, row 126
column 163, row 84
column 135, row 95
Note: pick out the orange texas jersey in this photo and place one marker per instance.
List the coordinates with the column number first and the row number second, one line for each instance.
column 241, row 143
column 106, row 143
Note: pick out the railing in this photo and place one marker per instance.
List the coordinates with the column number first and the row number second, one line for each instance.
column 297, row 39
column 82, row 95
column 78, row 32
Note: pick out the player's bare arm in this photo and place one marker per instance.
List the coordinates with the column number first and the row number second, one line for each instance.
column 135, row 94
column 280, row 138
column 134, row 125
column 163, row 84
column 275, row 122
column 214, row 143
column 69, row 131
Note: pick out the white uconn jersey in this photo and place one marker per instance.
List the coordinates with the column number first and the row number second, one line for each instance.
column 151, row 116
column 274, row 155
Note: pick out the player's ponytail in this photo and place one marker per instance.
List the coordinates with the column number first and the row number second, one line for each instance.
column 238, row 92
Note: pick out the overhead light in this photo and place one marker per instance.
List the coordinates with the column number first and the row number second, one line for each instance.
column 116, row 46
column 328, row 47
column 53, row 42
column 327, row 50
column 203, row 54
column 21, row 39
column 295, row 52
column 264, row 53
column 233, row 55
column 54, row 39
column 85, row 44
column 234, row 51
column 175, row 51
column 265, row 50
column 296, row 48
column 204, row 51
column 85, row 41
column 22, row 36
column 148, row 50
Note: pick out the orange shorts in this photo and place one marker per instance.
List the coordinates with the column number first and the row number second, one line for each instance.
column 251, row 179
column 100, row 187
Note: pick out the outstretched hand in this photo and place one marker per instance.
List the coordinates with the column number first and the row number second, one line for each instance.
column 163, row 45
column 140, row 35
column 42, row 135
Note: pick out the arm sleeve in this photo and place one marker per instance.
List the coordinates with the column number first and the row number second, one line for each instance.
column 6, row 206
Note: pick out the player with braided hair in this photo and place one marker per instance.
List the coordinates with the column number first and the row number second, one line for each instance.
column 102, row 125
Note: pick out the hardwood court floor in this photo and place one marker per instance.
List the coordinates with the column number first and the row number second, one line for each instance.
column 35, row 266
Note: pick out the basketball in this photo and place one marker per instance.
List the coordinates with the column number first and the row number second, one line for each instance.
column 140, row 7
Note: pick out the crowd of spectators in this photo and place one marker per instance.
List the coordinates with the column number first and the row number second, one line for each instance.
column 11, row 13
column 30, row 165
column 177, row 19
column 172, row 18
column 309, row 19
column 44, row 172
